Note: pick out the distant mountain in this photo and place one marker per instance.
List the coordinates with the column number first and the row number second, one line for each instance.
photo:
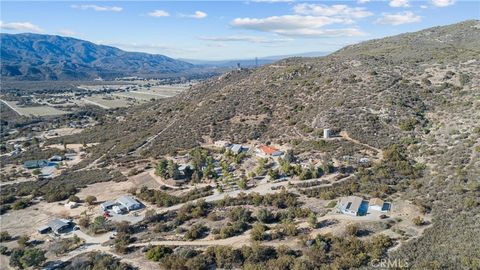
column 49, row 57
column 231, row 63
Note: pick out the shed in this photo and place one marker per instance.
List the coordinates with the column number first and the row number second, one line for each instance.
column 44, row 229
column 129, row 203
column 56, row 158
column 108, row 205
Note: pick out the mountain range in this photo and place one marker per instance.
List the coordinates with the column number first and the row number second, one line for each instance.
column 50, row 57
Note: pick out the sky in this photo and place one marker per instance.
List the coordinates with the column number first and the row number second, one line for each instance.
column 218, row 30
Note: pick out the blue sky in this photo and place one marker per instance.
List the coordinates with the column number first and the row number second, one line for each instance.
column 231, row 29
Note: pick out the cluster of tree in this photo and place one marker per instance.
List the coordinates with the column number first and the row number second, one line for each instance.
column 96, row 260
column 224, row 257
column 162, row 198
column 169, row 169
column 239, row 221
column 346, row 253
column 25, row 255
column 396, row 172
column 281, row 199
column 65, row 245
column 196, row 231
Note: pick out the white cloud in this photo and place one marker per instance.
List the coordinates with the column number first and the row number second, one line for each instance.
column 333, row 10
column 98, row 8
column 423, row 6
column 158, row 13
column 297, row 25
column 66, row 32
column 252, row 39
column 197, row 15
column 362, row 1
column 149, row 48
column 398, row 18
column 443, row 3
column 399, row 3
column 21, row 26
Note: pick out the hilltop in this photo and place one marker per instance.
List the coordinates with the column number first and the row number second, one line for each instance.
column 49, row 57
column 417, row 90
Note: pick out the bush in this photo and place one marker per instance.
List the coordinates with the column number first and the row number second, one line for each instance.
column 156, row 253
column 5, row 236
column 90, row 200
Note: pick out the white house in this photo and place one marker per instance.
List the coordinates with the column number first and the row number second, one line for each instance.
column 350, row 205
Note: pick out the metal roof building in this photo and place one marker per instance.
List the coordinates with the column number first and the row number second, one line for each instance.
column 129, row 203
column 59, row 225
column 34, row 164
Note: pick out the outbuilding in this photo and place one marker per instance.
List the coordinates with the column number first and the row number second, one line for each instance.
column 108, row 205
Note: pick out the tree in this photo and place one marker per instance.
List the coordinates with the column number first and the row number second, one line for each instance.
column 36, row 172
column 352, row 229
column 23, row 240
column 172, row 169
column 158, row 252
column 418, row 221
column 90, row 199
column 73, row 198
column 27, row 257
column 264, row 216
column 5, row 236
column 312, row 220
column 273, row 174
column 161, row 169
column 257, row 232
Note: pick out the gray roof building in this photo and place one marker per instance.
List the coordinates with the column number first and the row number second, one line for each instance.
column 59, row 225
column 35, row 164
column 129, row 203
column 108, row 204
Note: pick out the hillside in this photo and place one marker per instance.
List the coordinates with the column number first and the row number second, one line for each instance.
column 418, row 90
column 48, row 57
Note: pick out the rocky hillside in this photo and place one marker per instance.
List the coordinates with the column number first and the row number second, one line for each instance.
column 47, row 57
column 419, row 90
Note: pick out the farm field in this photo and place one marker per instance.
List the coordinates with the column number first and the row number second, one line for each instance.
column 34, row 110
column 110, row 102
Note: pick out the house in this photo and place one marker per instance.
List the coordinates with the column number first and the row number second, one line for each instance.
column 268, row 151
column 59, row 226
column 236, row 148
column 35, row 164
column 351, row 205
column 56, row 158
column 129, row 203
column 108, row 205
